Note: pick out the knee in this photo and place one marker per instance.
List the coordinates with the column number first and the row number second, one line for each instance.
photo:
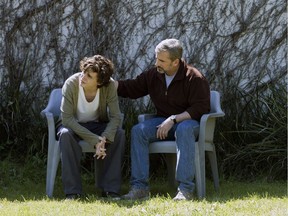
column 65, row 133
column 120, row 132
column 137, row 129
column 187, row 128
column 140, row 130
column 120, row 137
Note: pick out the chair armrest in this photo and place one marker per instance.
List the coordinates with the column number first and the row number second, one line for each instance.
column 50, row 123
column 205, row 117
column 211, row 117
column 43, row 112
column 143, row 117
column 215, row 115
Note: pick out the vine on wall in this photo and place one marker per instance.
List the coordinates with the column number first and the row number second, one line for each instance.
column 240, row 46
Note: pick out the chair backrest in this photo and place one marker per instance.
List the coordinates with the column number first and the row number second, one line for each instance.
column 215, row 106
column 54, row 102
column 207, row 135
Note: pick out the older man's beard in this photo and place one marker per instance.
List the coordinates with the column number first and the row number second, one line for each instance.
column 161, row 70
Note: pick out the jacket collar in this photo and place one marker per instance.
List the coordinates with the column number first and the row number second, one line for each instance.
column 181, row 73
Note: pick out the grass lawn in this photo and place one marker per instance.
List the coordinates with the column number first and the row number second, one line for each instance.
column 21, row 195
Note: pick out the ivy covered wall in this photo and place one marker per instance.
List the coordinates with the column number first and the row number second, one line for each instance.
column 240, row 46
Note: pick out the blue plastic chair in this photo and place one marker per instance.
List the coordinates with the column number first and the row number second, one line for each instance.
column 52, row 112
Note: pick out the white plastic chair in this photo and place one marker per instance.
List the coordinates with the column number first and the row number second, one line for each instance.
column 204, row 145
column 52, row 112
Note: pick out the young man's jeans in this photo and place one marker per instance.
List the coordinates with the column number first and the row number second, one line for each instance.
column 185, row 134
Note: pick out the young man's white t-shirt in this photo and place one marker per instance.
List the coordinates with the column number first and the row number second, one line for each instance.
column 87, row 111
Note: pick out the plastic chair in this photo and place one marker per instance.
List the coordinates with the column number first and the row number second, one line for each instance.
column 52, row 112
column 203, row 145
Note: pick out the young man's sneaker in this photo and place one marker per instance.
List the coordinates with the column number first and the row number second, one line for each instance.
column 137, row 194
column 182, row 195
column 111, row 195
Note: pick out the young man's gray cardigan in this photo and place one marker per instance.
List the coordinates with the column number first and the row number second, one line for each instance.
column 108, row 102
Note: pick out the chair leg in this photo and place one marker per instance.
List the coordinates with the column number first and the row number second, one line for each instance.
column 213, row 162
column 96, row 171
column 170, row 159
column 52, row 165
column 200, row 184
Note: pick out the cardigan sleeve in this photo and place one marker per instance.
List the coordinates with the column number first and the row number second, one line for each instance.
column 111, row 107
column 68, row 104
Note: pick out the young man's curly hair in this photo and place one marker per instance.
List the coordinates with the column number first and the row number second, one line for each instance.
column 100, row 65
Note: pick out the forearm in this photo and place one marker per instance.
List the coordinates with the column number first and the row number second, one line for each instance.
column 81, row 131
column 182, row 116
column 133, row 88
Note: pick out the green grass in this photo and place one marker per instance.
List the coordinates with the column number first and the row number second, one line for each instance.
column 23, row 195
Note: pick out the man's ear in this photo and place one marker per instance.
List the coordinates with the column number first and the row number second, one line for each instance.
column 176, row 62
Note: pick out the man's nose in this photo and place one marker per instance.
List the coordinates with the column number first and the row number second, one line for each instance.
column 156, row 63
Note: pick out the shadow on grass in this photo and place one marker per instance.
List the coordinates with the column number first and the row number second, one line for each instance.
column 23, row 183
column 229, row 190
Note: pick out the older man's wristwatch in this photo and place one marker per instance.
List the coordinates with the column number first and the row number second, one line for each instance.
column 173, row 118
